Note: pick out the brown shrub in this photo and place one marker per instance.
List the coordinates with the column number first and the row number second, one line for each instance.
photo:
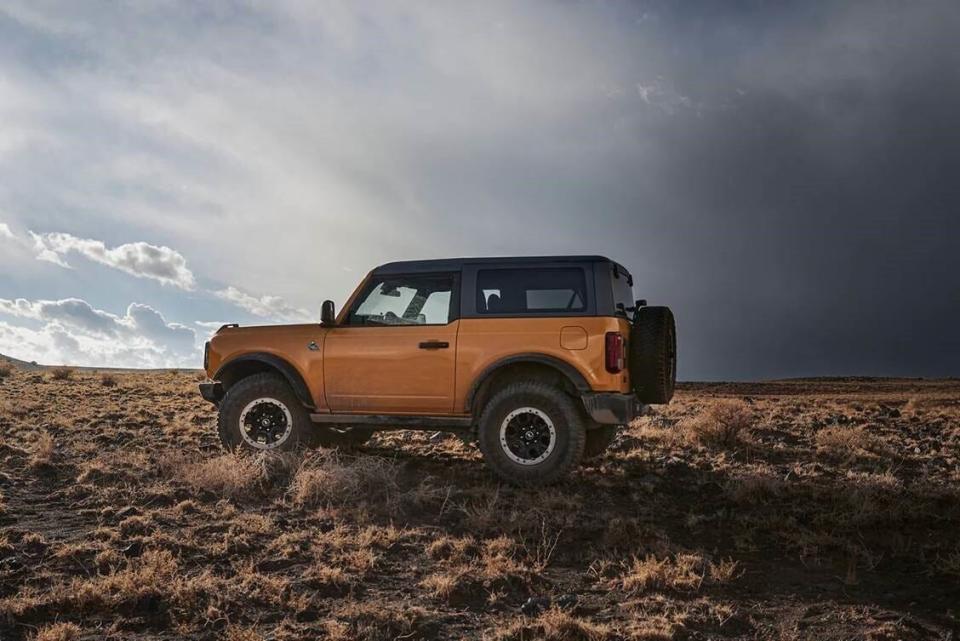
column 465, row 564
column 722, row 423
column 723, row 571
column 759, row 488
column 150, row 575
column 444, row 584
column 455, row 550
column 556, row 625
column 108, row 380
column 228, row 475
column 62, row 373
column 323, row 575
column 371, row 621
column 326, row 478
column 238, row 633
column 683, row 572
column 848, row 442
column 652, row 628
column 58, row 632
column 5, row 370
column 43, row 451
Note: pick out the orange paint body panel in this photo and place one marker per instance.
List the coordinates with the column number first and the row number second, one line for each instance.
column 484, row 341
column 287, row 342
column 383, row 370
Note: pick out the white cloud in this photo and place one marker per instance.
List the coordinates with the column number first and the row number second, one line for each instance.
column 73, row 331
column 272, row 307
column 138, row 259
column 5, row 232
column 151, row 324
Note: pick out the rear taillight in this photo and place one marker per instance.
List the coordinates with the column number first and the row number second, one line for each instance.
column 206, row 355
column 614, row 352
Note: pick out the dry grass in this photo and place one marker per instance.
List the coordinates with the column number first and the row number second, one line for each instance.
column 365, row 621
column 556, row 625
column 848, row 442
column 723, row 423
column 62, row 373
column 123, row 518
column 682, row 572
column 228, row 475
column 759, row 488
column 58, row 632
column 330, row 478
column 42, row 452
column 150, row 575
column 241, row 633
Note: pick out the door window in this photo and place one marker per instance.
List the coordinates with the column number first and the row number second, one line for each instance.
column 404, row 300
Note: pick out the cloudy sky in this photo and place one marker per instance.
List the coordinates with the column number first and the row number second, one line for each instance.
column 785, row 176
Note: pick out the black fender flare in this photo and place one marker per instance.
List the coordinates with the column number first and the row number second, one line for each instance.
column 288, row 371
column 570, row 372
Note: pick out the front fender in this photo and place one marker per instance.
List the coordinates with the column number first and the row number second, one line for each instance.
column 241, row 366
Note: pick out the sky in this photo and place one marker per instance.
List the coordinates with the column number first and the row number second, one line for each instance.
column 783, row 175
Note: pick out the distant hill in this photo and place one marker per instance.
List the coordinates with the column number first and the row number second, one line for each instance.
column 16, row 362
column 34, row 366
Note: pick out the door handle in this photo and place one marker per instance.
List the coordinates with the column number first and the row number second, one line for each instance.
column 434, row 345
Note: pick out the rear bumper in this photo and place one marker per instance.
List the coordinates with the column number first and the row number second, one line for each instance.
column 212, row 392
column 612, row 409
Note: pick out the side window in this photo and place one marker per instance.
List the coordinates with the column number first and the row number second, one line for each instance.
column 404, row 300
column 519, row 291
column 622, row 291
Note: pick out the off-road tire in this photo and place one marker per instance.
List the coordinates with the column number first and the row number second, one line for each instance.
column 562, row 411
column 653, row 355
column 257, row 386
column 347, row 438
column 599, row 438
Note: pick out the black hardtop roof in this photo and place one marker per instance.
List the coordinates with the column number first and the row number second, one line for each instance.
column 456, row 264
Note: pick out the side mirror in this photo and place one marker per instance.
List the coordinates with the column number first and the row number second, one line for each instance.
column 327, row 313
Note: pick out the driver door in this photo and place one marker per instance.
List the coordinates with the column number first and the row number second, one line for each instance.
column 395, row 351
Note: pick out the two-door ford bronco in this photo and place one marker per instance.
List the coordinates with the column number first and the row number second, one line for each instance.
column 539, row 360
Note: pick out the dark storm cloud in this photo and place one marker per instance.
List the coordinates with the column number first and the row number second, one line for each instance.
column 814, row 216
column 784, row 176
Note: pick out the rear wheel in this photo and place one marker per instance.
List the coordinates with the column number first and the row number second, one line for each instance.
column 261, row 413
column 599, row 438
column 531, row 433
column 653, row 354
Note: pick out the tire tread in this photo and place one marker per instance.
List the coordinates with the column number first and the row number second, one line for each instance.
column 555, row 469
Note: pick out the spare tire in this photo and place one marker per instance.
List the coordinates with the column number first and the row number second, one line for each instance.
column 653, row 354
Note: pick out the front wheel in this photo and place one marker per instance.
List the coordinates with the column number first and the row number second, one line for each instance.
column 261, row 413
column 531, row 433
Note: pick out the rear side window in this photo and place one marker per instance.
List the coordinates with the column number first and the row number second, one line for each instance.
column 622, row 292
column 523, row 291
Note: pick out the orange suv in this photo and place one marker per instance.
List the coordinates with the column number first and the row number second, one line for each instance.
column 538, row 360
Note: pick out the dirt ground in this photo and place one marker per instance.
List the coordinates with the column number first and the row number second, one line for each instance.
column 820, row 509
